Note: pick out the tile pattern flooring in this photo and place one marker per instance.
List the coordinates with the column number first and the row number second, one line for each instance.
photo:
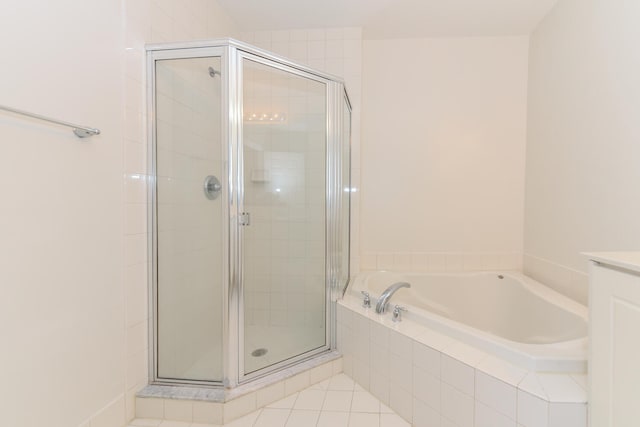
column 336, row 402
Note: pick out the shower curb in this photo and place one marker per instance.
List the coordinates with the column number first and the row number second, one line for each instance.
column 217, row 406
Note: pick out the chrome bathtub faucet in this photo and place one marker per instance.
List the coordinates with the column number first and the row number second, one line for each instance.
column 397, row 313
column 366, row 302
column 383, row 301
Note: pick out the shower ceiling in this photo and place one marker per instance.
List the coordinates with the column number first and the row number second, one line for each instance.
column 382, row 19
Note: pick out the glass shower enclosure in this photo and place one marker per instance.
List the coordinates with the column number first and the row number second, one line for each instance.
column 249, row 218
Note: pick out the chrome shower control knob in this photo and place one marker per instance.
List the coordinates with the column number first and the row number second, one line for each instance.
column 397, row 313
column 212, row 187
column 366, row 302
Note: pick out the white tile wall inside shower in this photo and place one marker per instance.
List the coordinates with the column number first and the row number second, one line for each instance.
column 284, row 189
column 336, row 51
column 149, row 21
column 190, row 228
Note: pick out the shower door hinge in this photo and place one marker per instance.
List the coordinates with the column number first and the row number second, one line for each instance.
column 245, row 219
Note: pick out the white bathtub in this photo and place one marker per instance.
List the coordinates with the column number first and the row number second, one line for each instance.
column 505, row 314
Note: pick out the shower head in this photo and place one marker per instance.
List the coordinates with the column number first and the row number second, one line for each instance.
column 213, row 72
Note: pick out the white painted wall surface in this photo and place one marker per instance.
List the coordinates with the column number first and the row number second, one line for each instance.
column 61, row 251
column 443, row 144
column 582, row 191
column 73, row 316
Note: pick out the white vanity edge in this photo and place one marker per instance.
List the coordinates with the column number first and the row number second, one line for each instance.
column 626, row 260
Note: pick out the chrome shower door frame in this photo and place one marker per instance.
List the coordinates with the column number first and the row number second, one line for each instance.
column 333, row 93
column 168, row 52
column 232, row 53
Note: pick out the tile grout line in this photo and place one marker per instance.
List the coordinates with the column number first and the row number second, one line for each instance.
column 323, row 400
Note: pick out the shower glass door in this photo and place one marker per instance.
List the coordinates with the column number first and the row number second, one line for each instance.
column 189, row 211
column 284, row 149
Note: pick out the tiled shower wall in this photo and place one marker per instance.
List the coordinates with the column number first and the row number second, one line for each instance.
column 336, row 51
column 190, row 225
column 284, row 191
column 148, row 21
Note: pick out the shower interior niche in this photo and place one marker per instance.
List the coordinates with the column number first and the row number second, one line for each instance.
column 249, row 218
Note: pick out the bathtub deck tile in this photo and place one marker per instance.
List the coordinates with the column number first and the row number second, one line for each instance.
column 581, row 379
column 562, row 388
column 410, row 329
column 465, row 353
column 435, row 340
column 531, row 384
column 502, row 370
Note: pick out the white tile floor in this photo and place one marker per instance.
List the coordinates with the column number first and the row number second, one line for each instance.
column 336, row 402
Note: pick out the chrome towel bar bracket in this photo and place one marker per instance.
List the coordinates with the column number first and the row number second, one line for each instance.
column 79, row 131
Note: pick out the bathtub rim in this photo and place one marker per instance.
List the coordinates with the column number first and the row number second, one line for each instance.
column 565, row 356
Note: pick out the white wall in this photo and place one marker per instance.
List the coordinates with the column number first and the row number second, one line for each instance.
column 583, row 153
column 443, row 144
column 73, row 250
column 62, row 305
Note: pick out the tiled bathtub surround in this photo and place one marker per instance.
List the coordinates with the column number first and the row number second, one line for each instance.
column 433, row 380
